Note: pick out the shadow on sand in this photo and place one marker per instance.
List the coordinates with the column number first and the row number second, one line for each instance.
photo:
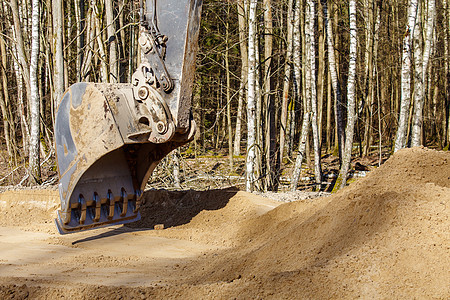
column 170, row 208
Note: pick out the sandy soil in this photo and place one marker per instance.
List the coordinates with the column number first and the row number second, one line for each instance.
column 385, row 236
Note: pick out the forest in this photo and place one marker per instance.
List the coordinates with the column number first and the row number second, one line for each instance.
column 279, row 83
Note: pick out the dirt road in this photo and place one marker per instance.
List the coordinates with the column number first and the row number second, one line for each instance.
column 384, row 236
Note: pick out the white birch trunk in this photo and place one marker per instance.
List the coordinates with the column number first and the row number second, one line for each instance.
column 101, row 48
column 314, row 112
column 308, row 92
column 296, row 58
column 20, row 103
column 270, row 128
column 87, row 63
column 296, row 63
column 81, row 26
column 420, row 74
column 20, row 47
column 286, row 80
column 351, row 99
column 58, row 67
column 34, row 161
column 111, row 30
column 418, row 82
column 400, row 140
column 251, row 107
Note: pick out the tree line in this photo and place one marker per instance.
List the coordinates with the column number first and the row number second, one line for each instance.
column 278, row 81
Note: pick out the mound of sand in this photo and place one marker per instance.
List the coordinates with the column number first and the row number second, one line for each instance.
column 384, row 236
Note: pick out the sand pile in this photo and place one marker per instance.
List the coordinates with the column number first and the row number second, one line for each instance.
column 384, row 236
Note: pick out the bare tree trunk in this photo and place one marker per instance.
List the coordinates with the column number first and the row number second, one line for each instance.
column 20, row 46
column 400, row 140
column 34, row 161
column 101, row 49
column 251, row 109
column 420, row 74
column 329, row 132
column 270, row 138
column 296, row 65
column 81, row 27
column 321, row 69
column 335, row 82
column 307, row 99
column 296, row 55
column 286, row 80
column 351, row 100
column 58, row 67
column 368, row 102
column 244, row 71
column 260, row 158
column 313, row 94
column 416, row 115
column 5, row 116
column 21, row 106
column 227, row 70
column 88, row 55
column 111, row 30
column 4, row 103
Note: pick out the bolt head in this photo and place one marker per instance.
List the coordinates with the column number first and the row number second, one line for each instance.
column 161, row 127
column 143, row 93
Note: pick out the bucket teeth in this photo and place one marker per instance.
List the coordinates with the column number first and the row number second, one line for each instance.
column 138, row 201
column 98, row 207
column 111, row 204
column 124, row 198
column 92, row 213
column 83, row 207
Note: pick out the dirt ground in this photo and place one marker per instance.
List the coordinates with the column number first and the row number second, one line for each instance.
column 385, row 236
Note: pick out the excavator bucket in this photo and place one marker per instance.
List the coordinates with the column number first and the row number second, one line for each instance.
column 110, row 137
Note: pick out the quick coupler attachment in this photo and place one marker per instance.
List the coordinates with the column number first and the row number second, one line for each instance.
column 95, row 212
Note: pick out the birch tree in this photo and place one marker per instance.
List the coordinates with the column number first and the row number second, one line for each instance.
column 422, row 58
column 313, row 95
column 111, row 30
column 270, row 128
column 400, row 140
column 286, row 79
column 101, row 48
column 351, row 100
column 297, row 74
column 58, row 67
column 307, row 107
column 34, row 161
column 251, row 107
column 20, row 47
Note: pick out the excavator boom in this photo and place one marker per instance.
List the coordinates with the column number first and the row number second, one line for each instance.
column 110, row 137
